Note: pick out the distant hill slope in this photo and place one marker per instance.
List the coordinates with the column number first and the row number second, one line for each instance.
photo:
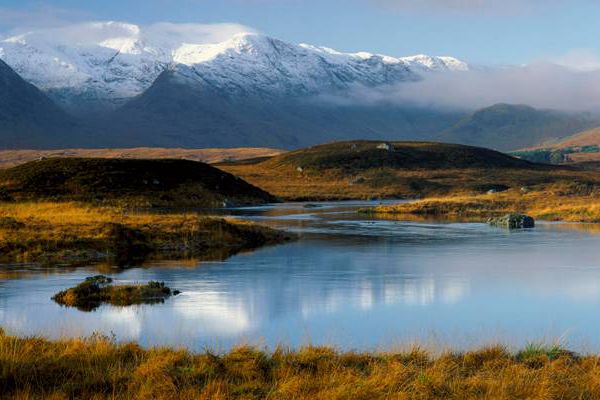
column 10, row 158
column 508, row 127
column 589, row 137
column 580, row 147
column 374, row 169
column 178, row 112
column 28, row 118
column 133, row 182
column 364, row 155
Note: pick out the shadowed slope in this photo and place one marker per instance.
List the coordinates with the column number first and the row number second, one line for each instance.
column 28, row 118
column 133, row 182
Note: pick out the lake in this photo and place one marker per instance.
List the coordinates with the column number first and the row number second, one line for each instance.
column 349, row 281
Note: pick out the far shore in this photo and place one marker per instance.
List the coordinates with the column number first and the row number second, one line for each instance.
column 563, row 202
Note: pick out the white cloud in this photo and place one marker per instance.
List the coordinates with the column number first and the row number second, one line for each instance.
column 579, row 59
column 542, row 85
column 194, row 33
column 167, row 35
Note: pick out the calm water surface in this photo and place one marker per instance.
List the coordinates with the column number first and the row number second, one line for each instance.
column 350, row 282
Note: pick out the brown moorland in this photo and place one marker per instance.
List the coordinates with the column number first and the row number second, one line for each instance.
column 10, row 158
column 451, row 180
column 368, row 169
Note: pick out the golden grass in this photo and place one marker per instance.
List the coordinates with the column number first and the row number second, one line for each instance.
column 551, row 205
column 331, row 184
column 10, row 158
column 98, row 368
column 75, row 232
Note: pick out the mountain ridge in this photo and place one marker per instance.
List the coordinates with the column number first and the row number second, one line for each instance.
column 117, row 61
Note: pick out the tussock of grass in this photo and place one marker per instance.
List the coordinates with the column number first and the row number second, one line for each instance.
column 34, row 368
column 71, row 232
column 95, row 290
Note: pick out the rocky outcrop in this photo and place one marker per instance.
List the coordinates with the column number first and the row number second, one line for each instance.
column 513, row 221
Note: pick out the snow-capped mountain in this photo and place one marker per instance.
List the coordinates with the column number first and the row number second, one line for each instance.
column 109, row 62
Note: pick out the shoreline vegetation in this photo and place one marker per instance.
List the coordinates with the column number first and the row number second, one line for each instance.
column 567, row 202
column 70, row 233
column 100, row 368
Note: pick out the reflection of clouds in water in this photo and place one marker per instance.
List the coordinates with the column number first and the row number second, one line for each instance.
column 366, row 296
column 417, row 292
column 125, row 322
column 425, row 291
column 584, row 292
column 454, row 290
column 217, row 313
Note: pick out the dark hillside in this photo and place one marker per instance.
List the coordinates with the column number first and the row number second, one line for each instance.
column 146, row 182
column 364, row 155
column 29, row 119
column 508, row 127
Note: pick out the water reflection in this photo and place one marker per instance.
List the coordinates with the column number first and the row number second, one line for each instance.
column 349, row 281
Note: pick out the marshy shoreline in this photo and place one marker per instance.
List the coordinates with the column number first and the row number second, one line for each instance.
column 564, row 202
column 72, row 233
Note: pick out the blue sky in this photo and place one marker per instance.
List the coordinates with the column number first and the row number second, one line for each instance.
column 479, row 31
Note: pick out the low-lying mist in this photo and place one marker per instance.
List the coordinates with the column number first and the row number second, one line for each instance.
column 541, row 85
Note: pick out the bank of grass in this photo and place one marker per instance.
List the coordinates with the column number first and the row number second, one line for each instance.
column 559, row 202
column 72, row 232
column 98, row 368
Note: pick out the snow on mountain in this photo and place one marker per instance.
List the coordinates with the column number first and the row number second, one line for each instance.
column 113, row 61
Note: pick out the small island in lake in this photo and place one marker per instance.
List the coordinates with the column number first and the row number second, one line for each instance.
column 97, row 290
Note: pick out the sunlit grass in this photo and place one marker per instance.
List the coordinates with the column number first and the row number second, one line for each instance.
column 99, row 368
column 547, row 204
column 68, row 232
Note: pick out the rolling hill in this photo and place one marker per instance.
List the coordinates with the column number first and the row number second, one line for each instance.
column 131, row 182
column 508, row 127
column 581, row 147
column 373, row 169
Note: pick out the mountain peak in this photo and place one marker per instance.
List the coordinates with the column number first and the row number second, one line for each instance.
column 108, row 62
